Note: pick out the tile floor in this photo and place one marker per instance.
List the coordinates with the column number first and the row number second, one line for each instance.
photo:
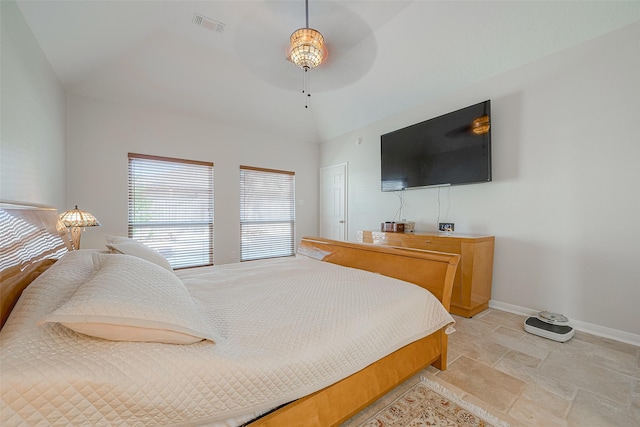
column 532, row 381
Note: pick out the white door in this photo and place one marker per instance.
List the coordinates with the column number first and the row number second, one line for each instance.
column 333, row 202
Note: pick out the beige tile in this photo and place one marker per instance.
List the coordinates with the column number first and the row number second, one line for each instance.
column 512, row 333
column 474, row 327
column 530, row 375
column 619, row 362
column 587, row 381
column 590, row 409
column 526, row 368
column 496, row 316
column 450, row 387
column 484, row 382
column 518, row 322
column 579, row 371
column 515, row 342
column 484, row 350
column 607, row 343
column 522, row 360
column 431, row 370
column 512, row 321
column 460, row 393
column 550, row 345
column 539, row 407
column 619, row 356
column 635, row 399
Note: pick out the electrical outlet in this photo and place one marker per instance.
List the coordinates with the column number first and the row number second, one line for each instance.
column 446, row 226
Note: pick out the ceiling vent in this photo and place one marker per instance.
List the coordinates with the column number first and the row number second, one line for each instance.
column 208, row 23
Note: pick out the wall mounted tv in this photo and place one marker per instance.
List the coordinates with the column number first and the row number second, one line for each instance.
column 451, row 149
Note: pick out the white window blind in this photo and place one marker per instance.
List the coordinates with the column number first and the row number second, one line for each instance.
column 267, row 213
column 171, row 208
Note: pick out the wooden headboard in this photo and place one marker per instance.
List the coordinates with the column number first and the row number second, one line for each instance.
column 32, row 238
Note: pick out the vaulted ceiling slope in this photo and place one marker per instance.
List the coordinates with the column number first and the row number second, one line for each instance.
column 384, row 56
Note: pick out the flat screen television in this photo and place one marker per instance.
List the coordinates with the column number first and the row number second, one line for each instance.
column 451, row 149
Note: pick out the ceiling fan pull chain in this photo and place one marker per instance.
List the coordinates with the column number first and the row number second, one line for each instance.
column 305, row 89
column 304, row 83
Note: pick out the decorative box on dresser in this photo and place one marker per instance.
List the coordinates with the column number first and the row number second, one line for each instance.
column 472, row 284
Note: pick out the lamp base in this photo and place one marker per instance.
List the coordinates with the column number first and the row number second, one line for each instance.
column 75, row 236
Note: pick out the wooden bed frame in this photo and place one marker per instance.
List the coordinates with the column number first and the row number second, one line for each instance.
column 330, row 406
column 36, row 239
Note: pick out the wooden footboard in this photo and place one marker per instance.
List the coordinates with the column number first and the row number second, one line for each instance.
column 433, row 271
column 332, row 405
column 338, row 402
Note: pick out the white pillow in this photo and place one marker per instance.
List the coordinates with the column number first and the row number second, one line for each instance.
column 118, row 239
column 125, row 245
column 131, row 299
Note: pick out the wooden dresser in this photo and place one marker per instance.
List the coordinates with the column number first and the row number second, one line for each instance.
column 472, row 284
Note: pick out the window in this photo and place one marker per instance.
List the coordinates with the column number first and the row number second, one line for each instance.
column 171, row 208
column 267, row 213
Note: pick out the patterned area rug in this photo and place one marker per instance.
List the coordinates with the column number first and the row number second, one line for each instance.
column 429, row 404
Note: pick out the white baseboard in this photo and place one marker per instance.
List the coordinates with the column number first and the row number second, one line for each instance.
column 589, row 328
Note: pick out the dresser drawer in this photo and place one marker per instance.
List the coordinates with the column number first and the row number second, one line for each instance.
column 432, row 243
column 437, row 244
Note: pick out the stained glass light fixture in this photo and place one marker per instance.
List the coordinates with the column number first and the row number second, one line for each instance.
column 77, row 220
column 482, row 124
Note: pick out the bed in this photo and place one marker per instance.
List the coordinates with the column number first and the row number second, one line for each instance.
column 263, row 356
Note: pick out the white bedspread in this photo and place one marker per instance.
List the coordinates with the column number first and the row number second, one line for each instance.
column 283, row 329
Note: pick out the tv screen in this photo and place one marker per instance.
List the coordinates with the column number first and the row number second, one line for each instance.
column 451, row 149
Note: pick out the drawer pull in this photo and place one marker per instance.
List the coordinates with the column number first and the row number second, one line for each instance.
column 428, row 241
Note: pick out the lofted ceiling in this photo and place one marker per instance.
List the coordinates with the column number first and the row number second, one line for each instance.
column 384, row 56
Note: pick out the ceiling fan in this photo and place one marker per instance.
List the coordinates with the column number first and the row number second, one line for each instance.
column 262, row 36
column 307, row 51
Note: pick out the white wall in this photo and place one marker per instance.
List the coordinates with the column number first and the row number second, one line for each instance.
column 564, row 201
column 33, row 131
column 102, row 133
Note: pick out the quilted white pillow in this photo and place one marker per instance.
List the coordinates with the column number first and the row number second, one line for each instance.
column 131, row 299
column 125, row 245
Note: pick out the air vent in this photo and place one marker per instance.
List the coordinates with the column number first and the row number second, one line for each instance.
column 208, row 23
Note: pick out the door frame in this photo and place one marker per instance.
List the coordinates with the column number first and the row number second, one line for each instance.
column 345, row 181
